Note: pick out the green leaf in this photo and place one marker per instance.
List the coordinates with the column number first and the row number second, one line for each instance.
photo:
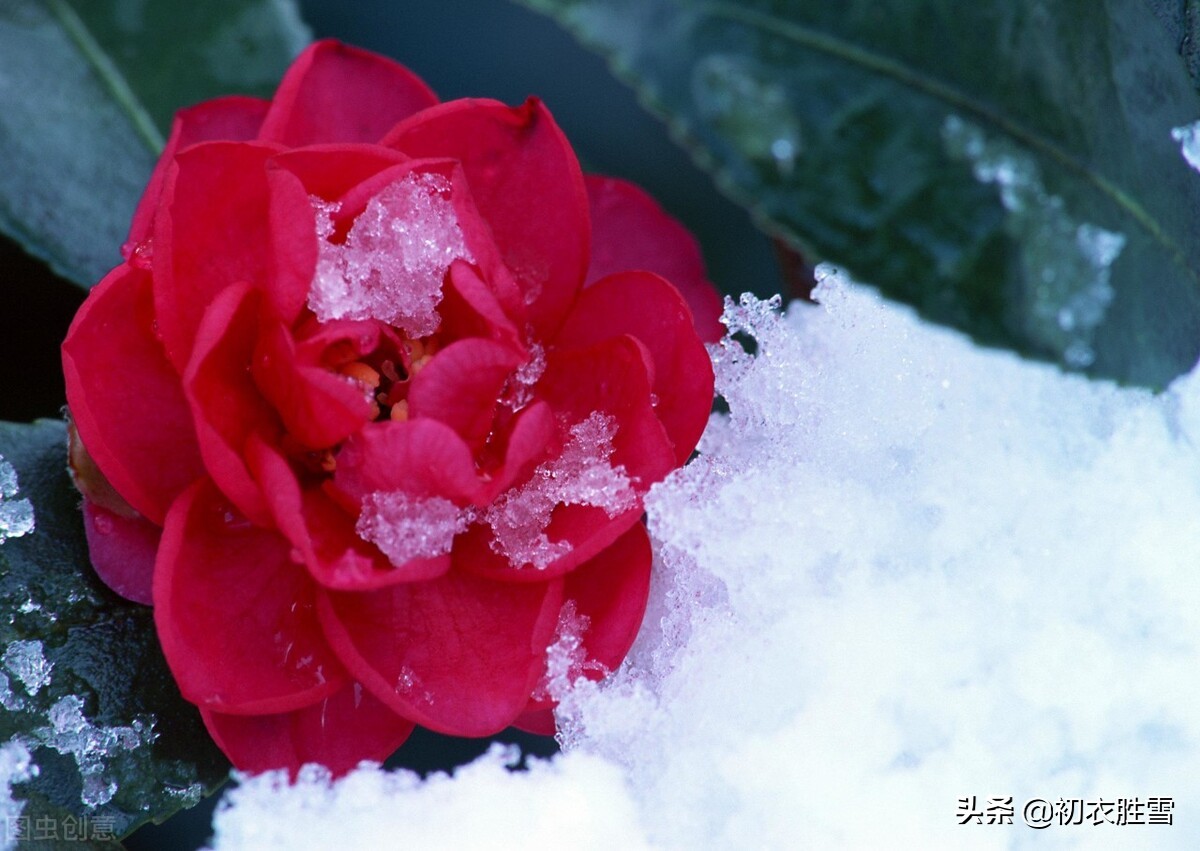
column 87, row 91
column 83, row 684
column 1006, row 166
column 1182, row 20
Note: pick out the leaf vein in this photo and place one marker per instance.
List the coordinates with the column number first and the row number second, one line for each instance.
column 109, row 74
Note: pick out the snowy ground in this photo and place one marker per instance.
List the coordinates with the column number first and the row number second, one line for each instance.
column 904, row 572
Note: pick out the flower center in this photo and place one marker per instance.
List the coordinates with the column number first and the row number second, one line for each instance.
column 385, row 380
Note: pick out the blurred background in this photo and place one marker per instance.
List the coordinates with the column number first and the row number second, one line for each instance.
column 481, row 48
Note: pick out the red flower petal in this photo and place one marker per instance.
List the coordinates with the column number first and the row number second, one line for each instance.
column 538, row 721
column 527, row 184
column 338, row 732
column 611, row 592
column 125, row 398
column 649, row 308
column 471, row 308
column 225, row 402
column 587, row 529
column 235, row 614
column 336, row 93
column 329, row 171
column 206, row 240
column 459, row 655
column 323, row 533
column 293, row 250
column 461, row 386
column 631, row 231
column 423, row 458
column 608, row 377
column 612, row 376
column 318, row 407
column 340, row 341
column 122, row 550
column 526, row 442
column 236, row 119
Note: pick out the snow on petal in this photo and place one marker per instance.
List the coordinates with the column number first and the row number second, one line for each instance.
column 405, row 527
column 582, row 475
column 394, row 258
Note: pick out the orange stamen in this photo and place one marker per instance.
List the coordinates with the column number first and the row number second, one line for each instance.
column 361, row 373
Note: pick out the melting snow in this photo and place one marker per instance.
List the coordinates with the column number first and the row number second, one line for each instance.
column 904, row 571
column 391, row 265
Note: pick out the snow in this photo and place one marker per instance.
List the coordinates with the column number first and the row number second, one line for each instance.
column 406, row 527
column 16, row 515
column 903, row 572
column 393, row 259
column 580, row 803
column 566, row 659
column 582, row 474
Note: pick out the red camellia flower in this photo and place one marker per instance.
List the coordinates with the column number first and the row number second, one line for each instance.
column 370, row 408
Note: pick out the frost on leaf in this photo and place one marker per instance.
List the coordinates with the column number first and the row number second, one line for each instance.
column 1067, row 263
column 582, row 475
column 392, row 262
column 26, row 661
column 16, row 515
column 92, row 746
column 406, row 527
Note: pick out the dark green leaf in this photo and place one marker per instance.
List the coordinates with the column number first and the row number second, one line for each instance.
column 83, row 685
column 1182, row 20
column 87, row 91
column 981, row 161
